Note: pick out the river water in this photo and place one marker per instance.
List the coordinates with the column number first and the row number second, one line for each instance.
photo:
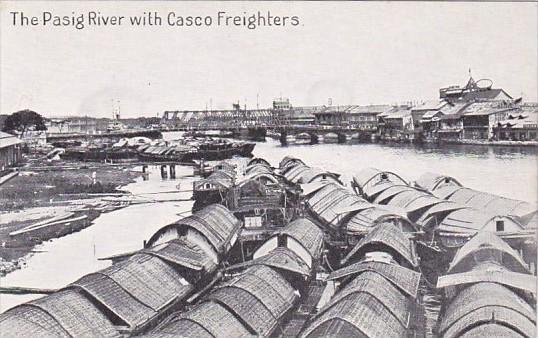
column 507, row 171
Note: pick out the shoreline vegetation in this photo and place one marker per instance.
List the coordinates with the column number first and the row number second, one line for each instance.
column 42, row 203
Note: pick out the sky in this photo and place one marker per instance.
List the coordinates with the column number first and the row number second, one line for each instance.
column 352, row 53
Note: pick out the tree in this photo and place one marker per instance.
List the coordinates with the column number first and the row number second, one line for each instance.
column 23, row 121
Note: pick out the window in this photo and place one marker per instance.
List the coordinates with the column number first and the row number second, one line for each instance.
column 500, row 225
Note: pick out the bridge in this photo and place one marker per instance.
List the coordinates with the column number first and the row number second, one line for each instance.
column 257, row 123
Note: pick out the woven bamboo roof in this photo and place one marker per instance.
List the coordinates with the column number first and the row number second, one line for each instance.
column 372, row 181
column 368, row 316
column 432, row 181
column 380, row 288
column 486, row 246
column 307, row 233
column 149, row 280
column 246, row 306
column 387, row 235
column 289, row 162
column 483, row 302
column 116, row 299
column 266, row 284
column 280, row 258
column 490, row 272
column 491, row 330
column 215, row 222
column 405, row 279
column 183, row 253
column 470, row 221
column 494, row 204
column 216, row 320
column 258, row 160
column 258, row 169
column 392, row 190
column 30, row 321
column 182, row 328
column 74, row 313
column 304, row 174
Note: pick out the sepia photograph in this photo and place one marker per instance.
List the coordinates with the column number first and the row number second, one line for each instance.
column 233, row 169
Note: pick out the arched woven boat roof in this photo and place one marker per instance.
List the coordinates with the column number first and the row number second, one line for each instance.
column 486, row 242
column 271, row 288
column 30, row 321
column 74, row 313
column 215, row 319
column 467, row 220
column 477, row 302
column 432, row 181
column 405, row 279
column 377, row 286
column 182, row 253
column 280, row 258
column 327, row 201
column 390, row 236
column 258, row 160
column 494, row 204
column 149, row 280
column 490, row 272
column 303, row 174
column 258, row 168
column 181, row 328
column 256, row 176
column 307, row 234
column 288, row 162
column 491, row 330
column 364, row 312
column 372, row 181
column 115, row 298
column 215, row 222
column 386, row 196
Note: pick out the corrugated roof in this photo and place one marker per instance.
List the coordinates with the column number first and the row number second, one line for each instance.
column 405, row 279
column 390, row 236
column 7, row 140
column 486, row 246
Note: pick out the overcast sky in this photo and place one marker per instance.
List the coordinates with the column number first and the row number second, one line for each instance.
column 357, row 53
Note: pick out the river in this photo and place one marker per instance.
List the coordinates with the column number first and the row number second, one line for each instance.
column 507, row 171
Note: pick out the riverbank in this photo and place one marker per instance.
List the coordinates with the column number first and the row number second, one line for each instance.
column 44, row 202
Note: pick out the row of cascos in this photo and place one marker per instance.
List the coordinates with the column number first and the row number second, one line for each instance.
column 179, row 284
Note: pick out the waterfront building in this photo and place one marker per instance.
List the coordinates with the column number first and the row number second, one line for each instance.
column 10, row 151
column 396, row 124
column 519, row 126
column 332, row 115
column 75, row 124
column 365, row 117
column 427, row 110
column 281, row 104
column 298, row 115
column 479, row 118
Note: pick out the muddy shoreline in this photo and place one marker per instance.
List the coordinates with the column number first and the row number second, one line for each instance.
column 43, row 203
